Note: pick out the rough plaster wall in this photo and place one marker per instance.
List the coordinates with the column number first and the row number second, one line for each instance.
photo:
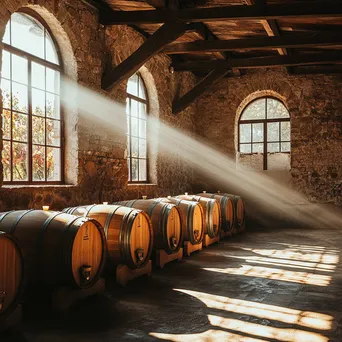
column 101, row 172
column 315, row 106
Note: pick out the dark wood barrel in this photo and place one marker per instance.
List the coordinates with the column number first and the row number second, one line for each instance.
column 128, row 231
column 227, row 210
column 166, row 222
column 59, row 249
column 239, row 210
column 192, row 218
column 12, row 275
column 211, row 208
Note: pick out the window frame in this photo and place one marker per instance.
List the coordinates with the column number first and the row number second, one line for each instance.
column 56, row 67
column 128, row 134
column 265, row 121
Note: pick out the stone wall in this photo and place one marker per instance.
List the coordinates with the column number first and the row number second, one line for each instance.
column 315, row 106
column 96, row 167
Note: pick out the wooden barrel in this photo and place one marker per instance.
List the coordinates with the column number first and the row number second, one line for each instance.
column 227, row 210
column 192, row 218
column 60, row 249
column 239, row 210
column 166, row 222
column 128, row 231
column 12, row 275
column 211, row 208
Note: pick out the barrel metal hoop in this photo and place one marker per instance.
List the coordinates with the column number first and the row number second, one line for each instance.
column 163, row 220
column 190, row 223
column 18, row 220
column 5, row 214
column 151, row 208
column 108, row 219
column 89, row 209
column 124, row 239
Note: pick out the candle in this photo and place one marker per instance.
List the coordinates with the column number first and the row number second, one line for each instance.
column 186, row 193
column 144, row 197
column 105, row 203
column 218, row 191
column 168, row 196
column 46, row 207
column 204, row 192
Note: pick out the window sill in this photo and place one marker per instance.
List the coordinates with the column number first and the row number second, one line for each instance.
column 38, row 186
column 141, row 184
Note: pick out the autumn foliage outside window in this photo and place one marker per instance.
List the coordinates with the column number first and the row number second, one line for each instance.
column 31, row 117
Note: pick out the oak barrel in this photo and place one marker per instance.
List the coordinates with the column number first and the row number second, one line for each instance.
column 192, row 218
column 12, row 275
column 211, row 208
column 60, row 249
column 227, row 210
column 128, row 231
column 166, row 223
column 239, row 210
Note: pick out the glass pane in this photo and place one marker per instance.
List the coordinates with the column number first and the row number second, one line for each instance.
column 142, row 93
column 20, row 162
column 19, row 97
column 127, row 105
column 142, row 170
column 142, row 148
column 38, row 130
column 245, row 133
column 27, row 34
column 273, row 147
column 53, row 134
column 276, row 110
column 285, row 147
column 135, row 145
column 273, row 131
column 6, row 93
column 142, row 110
column 128, row 124
column 245, row 148
column 6, row 161
column 128, row 146
column 53, row 164
column 134, row 108
column 52, row 81
column 132, row 85
column 51, row 54
column 6, row 124
column 129, row 168
column 38, row 102
column 255, row 111
column 285, row 131
column 134, row 169
column 258, row 132
column 38, row 76
column 53, row 106
column 142, row 128
column 7, row 36
column 134, row 126
column 258, row 148
column 20, row 127
column 6, row 64
column 19, row 69
column 38, row 163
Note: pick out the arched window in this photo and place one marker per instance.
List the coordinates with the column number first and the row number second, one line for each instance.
column 136, row 109
column 31, row 117
column 264, row 129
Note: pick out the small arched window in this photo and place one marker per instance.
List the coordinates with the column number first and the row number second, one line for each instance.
column 31, row 117
column 264, row 128
column 136, row 109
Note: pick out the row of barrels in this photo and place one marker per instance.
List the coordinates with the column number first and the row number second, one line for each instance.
column 70, row 248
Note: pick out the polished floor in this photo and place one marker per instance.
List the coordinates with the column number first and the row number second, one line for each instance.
column 266, row 285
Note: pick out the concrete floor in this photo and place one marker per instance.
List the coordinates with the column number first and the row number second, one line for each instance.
column 281, row 285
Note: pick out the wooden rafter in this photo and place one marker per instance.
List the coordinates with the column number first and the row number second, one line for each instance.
column 263, row 62
column 163, row 36
column 291, row 41
column 255, row 12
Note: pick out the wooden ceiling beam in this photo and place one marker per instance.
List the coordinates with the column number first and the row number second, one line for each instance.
column 242, row 12
column 163, row 36
column 202, row 86
column 290, row 41
column 263, row 62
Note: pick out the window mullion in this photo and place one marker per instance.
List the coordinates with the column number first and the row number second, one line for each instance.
column 29, row 147
column 265, row 137
column 130, row 139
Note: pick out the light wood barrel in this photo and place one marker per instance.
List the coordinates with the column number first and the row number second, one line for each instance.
column 60, row 249
column 128, row 231
column 12, row 275
column 192, row 218
column 227, row 210
column 211, row 208
column 239, row 209
column 166, row 222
